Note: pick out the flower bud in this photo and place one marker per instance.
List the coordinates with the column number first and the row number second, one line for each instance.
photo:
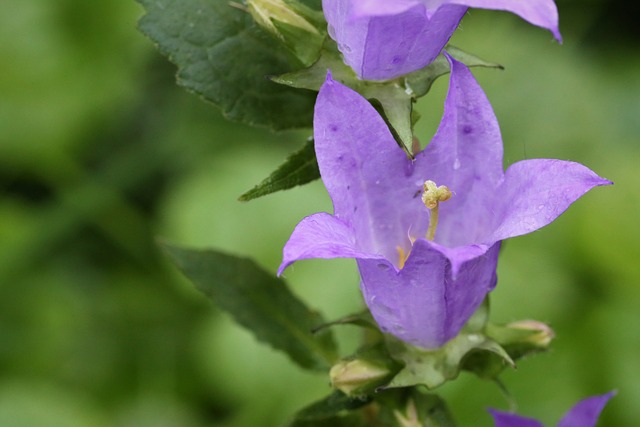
column 296, row 26
column 359, row 376
column 542, row 333
column 266, row 12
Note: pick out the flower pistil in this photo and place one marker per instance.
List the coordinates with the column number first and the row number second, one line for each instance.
column 431, row 197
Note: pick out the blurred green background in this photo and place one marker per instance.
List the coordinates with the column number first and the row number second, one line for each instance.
column 100, row 153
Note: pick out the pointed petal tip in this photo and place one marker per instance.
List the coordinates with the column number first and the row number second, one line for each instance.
column 604, row 181
column 329, row 78
column 330, row 84
column 583, row 414
column 587, row 411
column 604, row 398
column 282, row 267
column 555, row 30
column 598, row 181
column 452, row 61
column 506, row 419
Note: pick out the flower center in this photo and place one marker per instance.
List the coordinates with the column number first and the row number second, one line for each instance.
column 432, row 195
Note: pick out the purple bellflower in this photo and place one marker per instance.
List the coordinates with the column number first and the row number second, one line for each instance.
column 584, row 414
column 423, row 284
column 383, row 39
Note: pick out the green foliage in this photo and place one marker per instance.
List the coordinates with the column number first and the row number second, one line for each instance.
column 224, row 56
column 299, row 168
column 259, row 302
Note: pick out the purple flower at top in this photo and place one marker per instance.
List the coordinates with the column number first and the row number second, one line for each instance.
column 383, row 39
column 426, row 263
column 584, row 414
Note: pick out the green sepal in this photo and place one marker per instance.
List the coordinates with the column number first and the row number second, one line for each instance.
column 482, row 348
column 224, row 56
column 395, row 102
column 260, row 302
column 432, row 368
column 419, row 82
column 299, row 168
column 395, row 97
column 337, row 409
column 516, row 341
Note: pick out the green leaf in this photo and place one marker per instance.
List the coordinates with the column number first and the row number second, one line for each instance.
column 224, row 56
column 299, row 168
column 260, row 302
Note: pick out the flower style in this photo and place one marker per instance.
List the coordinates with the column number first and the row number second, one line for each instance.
column 383, row 39
column 424, row 290
column 584, row 414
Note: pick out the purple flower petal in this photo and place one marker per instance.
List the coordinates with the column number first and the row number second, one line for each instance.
column 466, row 156
column 321, row 236
column 380, row 46
column 377, row 7
column 535, row 192
column 505, row 419
column 367, row 175
column 541, row 13
column 586, row 412
column 426, row 303
column 382, row 39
